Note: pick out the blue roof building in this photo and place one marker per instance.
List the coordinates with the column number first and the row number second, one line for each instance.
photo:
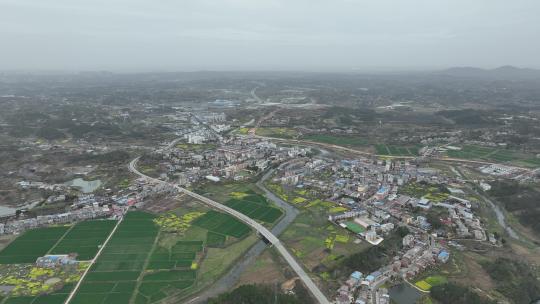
column 443, row 256
column 357, row 275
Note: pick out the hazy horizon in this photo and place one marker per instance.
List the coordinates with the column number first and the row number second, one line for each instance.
column 266, row 35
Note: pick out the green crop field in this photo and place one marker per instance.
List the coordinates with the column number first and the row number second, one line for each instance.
column 151, row 292
column 214, row 239
column 472, row 152
column 31, row 245
column 112, row 279
column 172, row 275
column 436, row 280
column 181, row 255
column 84, row 238
column 351, row 141
column 486, row 153
column 171, row 271
column 383, row 149
column 120, row 273
column 277, row 132
column 222, row 223
column 429, row 282
column 254, row 205
column 134, row 264
column 495, row 155
column 255, row 210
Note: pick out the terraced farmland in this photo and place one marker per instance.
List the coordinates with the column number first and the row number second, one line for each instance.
column 113, row 277
column 85, row 238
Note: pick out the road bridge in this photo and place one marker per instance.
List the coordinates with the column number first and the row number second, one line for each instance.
column 306, row 279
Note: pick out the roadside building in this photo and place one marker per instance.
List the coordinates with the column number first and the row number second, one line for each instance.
column 55, row 260
column 443, row 256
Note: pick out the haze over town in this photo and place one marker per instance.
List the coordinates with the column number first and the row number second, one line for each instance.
column 269, row 152
column 341, row 35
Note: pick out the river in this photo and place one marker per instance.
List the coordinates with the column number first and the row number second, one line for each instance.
column 501, row 218
column 228, row 281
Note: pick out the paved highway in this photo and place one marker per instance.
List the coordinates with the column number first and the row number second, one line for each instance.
column 230, row 279
column 254, row 95
column 317, row 294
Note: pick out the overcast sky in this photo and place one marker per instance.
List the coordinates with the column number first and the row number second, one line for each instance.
column 177, row 35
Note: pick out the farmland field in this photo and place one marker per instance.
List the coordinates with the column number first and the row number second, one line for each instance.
column 112, row 279
column 277, row 132
column 256, row 207
column 383, row 149
column 84, row 238
column 472, row 152
column 31, row 245
column 222, row 223
column 351, row 141
column 181, row 255
column 141, row 262
column 214, row 239
column 429, row 282
column 57, row 297
column 484, row 153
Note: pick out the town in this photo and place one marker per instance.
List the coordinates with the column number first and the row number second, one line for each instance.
column 189, row 201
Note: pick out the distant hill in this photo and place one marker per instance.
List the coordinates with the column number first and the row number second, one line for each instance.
column 503, row 72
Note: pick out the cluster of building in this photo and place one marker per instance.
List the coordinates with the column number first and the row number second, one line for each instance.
column 233, row 158
column 419, row 253
column 42, row 186
column 56, row 260
column 371, row 190
column 363, row 186
column 87, row 212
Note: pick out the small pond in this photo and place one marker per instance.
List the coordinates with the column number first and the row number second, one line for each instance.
column 404, row 294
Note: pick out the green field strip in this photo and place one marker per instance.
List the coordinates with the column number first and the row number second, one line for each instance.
column 84, row 238
column 144, row 267
column 113, row 277
column 60, row 239
column 222, row 223
column 31, row 245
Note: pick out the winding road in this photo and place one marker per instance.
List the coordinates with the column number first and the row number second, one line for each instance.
column 306, row 279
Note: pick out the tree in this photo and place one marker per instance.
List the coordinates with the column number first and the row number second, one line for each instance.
column 256, row 294
column 450, row 293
